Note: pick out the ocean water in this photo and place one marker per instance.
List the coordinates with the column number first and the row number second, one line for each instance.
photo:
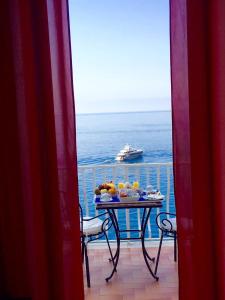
column 101, row 136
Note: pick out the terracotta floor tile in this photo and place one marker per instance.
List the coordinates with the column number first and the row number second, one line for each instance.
column 132, row 280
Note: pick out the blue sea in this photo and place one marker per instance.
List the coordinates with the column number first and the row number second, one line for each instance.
column 101, row 136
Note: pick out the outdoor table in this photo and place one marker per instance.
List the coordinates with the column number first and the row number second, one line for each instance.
column 147, row 206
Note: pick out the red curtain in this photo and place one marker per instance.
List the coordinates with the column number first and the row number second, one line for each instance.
column 39, row 217
column 198, row 91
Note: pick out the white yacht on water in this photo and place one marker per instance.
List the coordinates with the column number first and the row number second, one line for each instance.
column 128, row 153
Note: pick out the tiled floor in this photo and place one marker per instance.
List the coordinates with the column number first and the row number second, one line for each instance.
column 132, row 280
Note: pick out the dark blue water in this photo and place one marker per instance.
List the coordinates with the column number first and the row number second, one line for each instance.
column 101, row 136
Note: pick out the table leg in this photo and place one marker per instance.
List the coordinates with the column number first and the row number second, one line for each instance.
column 117, row 254
column 149, row 257
column 145, row 254
column 116, row 230
column 114, row 256
column 142, row 229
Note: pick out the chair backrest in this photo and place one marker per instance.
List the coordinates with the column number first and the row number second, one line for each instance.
column 164, row 223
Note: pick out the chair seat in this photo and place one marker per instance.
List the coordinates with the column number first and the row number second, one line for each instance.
column 167, row 225
column 92, row 227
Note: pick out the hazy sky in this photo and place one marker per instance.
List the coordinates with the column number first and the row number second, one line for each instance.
column 120, row 51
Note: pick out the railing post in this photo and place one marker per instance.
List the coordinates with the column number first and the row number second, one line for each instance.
column 84, row 192
column 168, row 189
column 158, row 187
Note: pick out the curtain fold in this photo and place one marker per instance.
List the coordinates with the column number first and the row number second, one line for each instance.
column 39, row 217
column 198, row 76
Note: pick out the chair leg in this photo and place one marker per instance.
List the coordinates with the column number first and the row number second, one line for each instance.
column 175, row 246
column 110, row 250
column 87, row 265
column 158, row 254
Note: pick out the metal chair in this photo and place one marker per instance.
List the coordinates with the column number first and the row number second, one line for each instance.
column 167, row 224
column 91, row 229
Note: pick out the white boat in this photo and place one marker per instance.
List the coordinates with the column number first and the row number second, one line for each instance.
column 128, row 153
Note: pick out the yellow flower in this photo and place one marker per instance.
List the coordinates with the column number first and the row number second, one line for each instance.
column 120, row 185
column 135, row 184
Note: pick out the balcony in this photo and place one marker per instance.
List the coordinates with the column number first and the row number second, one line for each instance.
column 132, row 281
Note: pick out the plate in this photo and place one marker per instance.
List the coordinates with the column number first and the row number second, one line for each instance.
column 155, row 197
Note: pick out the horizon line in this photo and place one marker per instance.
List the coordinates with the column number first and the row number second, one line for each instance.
column 122, row 112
